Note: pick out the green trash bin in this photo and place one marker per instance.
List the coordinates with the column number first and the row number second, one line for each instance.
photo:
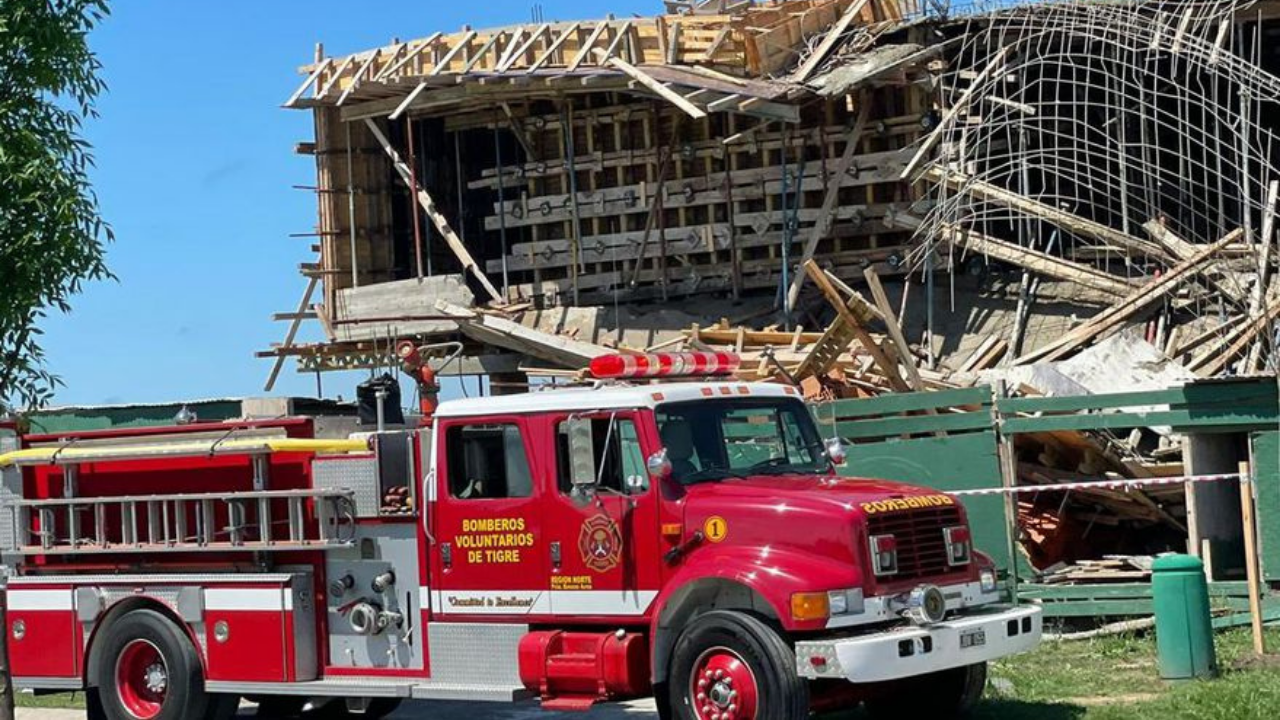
column 1184, row 627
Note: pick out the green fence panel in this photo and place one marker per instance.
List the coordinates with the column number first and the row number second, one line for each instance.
column 1265, row 451
column 914, row 425
column 894, row 403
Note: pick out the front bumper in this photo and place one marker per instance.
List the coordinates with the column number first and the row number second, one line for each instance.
column 918, row 650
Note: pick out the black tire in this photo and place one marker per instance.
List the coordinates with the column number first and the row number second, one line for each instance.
column 279, row 707
column 93, row 705
column 947, row 694
column 133, row 639
column 738, row 656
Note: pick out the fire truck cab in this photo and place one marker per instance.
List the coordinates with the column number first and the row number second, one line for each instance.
column 688, row 540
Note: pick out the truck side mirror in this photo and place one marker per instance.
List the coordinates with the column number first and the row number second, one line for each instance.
column 836, row 452
column 582, row 453
column 658, row 464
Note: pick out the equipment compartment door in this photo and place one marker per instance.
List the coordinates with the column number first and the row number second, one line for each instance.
column 604, row 544
column 485, row 560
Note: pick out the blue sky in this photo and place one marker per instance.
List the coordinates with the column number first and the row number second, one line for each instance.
column 195, row 166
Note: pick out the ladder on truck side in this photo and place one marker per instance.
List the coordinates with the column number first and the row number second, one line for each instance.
column 257, row 520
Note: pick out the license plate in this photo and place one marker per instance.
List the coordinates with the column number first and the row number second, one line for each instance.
column 972, row 639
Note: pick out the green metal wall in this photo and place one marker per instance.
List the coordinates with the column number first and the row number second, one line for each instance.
column 1265, row 451
column 127, row 416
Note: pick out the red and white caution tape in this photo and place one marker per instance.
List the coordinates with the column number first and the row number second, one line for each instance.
column 1121, row 484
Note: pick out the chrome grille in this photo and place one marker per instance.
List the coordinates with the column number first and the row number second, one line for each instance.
column 922, row 549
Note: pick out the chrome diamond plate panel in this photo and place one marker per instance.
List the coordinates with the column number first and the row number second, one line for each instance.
column 465, row 653
column 359, row 475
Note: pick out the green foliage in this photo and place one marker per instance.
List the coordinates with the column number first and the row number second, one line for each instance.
column 52, row 237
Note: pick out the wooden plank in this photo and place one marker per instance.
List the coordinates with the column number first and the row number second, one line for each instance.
column 553, row 47
column 949, row 117
column 895, row 329
column 822, row 227
column 585, row 51
column 1215, row 358
column 514, row 57
column 337, row 76
column 458, row 47
column 408, row 101
column 397, row 65
column 658, row 88
column 482, row 52
column 292, row 335
column 717, row 43
column 886, row 365
column 829, row 42
column 1141, row 299
column 355, row 78
column 1036, row 261
column 437, row 218
column 311, row 79
column 1067, row 221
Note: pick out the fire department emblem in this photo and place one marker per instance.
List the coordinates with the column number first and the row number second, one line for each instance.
column 600, row 544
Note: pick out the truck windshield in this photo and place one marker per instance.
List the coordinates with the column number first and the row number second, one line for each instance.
column 717, row 439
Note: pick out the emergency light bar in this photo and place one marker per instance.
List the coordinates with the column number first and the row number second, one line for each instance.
column 664, row 365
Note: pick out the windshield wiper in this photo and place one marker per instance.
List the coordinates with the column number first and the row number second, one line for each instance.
column 711, row 473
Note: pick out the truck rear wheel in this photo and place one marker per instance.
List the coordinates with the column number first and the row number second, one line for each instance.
column 947, row 694
column 147, row 669
column 731, row 666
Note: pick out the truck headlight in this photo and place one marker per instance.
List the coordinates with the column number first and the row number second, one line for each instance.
column 846, row 602
column 987, row 580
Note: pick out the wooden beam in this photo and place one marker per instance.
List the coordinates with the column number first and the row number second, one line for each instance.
column 895, row 329
column 553, row 47
column 1108, row 319
column 658, row 88
column 355, row 78
column 484, row 50
column 1036, row 261
column 311, row 79
column 585, row 51
column 822, row 227
column 953, row 112
column 437, row 218
column 716, row 44
column 337, row 76
column 513, row 57
column 1069, row 222
column 829, row 42
column 292, row 335
column 461, row 45
column 886, row 365
column 612, row 48
column 408, row 101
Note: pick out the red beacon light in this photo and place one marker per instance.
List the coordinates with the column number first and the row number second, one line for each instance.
column 664, row 365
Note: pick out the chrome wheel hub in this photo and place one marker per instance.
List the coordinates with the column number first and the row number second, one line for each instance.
column 156, row 678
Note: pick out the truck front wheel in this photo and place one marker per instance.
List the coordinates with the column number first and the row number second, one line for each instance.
column 947, row 694
column 731, row 666
column 147, row 669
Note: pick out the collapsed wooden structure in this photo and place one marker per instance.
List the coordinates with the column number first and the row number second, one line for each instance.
column 583, row 179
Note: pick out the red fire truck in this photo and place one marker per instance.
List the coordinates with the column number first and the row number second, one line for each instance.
column 689, row 540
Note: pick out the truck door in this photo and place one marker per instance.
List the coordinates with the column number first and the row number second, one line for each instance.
column 604, row 545
column 487, row 521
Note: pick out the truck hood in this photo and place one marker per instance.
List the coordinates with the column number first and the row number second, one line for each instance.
column 824, row 492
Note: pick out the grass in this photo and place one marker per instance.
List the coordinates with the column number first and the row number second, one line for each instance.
column 1113, row 678
column 1117, row 677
